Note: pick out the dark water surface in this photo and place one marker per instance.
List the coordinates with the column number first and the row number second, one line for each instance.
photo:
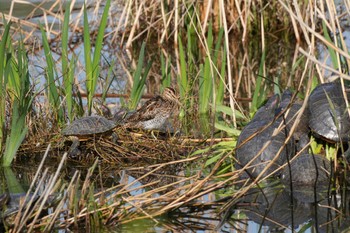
column 268, row 208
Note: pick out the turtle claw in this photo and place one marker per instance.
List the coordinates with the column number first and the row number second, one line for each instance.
column 74, row 153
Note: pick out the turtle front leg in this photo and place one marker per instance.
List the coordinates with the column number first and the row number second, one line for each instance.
column 114, row 137
column 74, row 151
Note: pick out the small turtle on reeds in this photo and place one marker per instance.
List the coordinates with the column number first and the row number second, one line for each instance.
column 86, row 127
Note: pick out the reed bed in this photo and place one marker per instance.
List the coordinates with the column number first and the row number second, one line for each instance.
column 130, row 148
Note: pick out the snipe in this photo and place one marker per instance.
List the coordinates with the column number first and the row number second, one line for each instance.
column 153, row 115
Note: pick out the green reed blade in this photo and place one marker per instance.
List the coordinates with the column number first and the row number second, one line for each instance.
column 331, row 51
column 67, row 72
column 92, row 67
column 183, row 79
column 51, row 73
column 221, row 79
column 3, row 77
column 228, row 111
column 3, row 42
column 206, row 81
column 87, row 57
column 219, row 83
column 108, row 83
column 139, row 79
column 259, row 94
column 166, row 71
column 19, row 88
column 205, row 87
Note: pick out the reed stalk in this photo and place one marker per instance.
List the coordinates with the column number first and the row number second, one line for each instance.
column 17, row 83
column 68, row 67
column 139, row 79
column 53, row 92
column 4, row 70
column 92, row 64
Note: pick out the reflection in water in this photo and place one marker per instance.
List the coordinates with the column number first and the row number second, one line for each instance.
column 275, row 209
column 272, row 207
column 310, row 177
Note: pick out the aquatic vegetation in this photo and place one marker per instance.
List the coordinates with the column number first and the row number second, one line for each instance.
column 224, row 57
column 139, row 79
column 16, row 96
column 92, row 64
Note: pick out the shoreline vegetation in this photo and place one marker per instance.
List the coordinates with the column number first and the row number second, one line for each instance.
column 224, row 58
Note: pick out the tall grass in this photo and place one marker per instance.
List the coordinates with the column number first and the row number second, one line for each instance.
column 17, row 90
column 53, row 84
column 92, row 68
column 4, row 70
column 68, row 67
column 139, row 79
column 92, row 64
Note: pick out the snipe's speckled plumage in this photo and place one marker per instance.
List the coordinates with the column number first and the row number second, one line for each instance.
column 153, row 115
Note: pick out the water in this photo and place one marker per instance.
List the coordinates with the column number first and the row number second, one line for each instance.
column 113, row 55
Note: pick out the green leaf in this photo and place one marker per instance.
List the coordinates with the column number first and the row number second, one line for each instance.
column 229, row 130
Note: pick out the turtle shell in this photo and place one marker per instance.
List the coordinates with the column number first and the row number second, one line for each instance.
column 301, row 132
column 252, row 143
column 88, row 125
column 329, row 117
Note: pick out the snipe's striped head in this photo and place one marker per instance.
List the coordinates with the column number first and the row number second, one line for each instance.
column 169, row 94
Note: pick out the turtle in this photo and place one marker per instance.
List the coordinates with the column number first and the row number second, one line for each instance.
column 316, row 174
column 258, row 144
column 86, row 127
column 290, row 110
column 329, row 117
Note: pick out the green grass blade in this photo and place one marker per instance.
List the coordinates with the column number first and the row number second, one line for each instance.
column 95, row 71
column 331, row 51
column 87, row 56
column 108, row 83
column 53, row 93
column 139, row 80
column 205, row 87
column 221, row 79
column 21, row 103
column 3, row 42
column 68, row 78
column 228, row 129
column 258, row 95
column 183, row 79
column 12, row 183
column 166, row 72
column 3, row 77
